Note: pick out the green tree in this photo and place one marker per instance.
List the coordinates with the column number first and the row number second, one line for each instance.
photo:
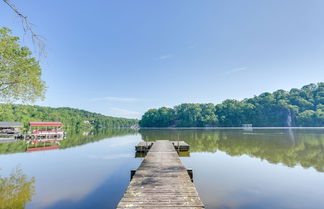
column 20, row 73
column 16, row 190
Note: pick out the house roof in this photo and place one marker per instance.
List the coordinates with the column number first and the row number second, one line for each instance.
column 45, row 124
column 4, row 124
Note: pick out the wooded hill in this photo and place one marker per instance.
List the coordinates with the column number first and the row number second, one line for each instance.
column 297, row 107
column 75, row 119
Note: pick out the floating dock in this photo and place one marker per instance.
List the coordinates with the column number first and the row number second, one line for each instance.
column 180, row 145
column 145, row 146
column 161, row 181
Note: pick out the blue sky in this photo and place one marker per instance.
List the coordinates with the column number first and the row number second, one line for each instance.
column 123, row 57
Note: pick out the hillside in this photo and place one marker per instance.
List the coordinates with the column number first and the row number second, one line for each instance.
column 71, row 118
column 297, row 107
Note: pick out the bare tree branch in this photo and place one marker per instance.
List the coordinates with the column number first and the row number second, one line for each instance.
column 38, row 41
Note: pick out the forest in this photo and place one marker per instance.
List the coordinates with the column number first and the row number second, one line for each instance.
column 74, row 119
column 297, row 107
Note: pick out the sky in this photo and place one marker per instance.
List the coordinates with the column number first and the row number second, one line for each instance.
column 123, row 57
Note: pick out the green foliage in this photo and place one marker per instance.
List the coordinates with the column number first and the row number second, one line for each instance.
column 74, row 119
column 159, row 118
column 16, row 190
column 20, row 74
column 298, row 107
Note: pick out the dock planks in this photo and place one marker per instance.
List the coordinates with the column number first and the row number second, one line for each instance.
column 161, row 181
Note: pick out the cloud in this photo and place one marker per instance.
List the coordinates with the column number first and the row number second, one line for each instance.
column 116, row 99
column 125, row 113
column 235, row 70
column 164, row 57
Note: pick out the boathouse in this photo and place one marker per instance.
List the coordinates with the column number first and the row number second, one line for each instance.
column 10, row 130
column 45, row 130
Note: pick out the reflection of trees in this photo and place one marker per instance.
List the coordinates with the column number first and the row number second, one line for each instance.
column 16, row 190
column 7, row 148
column 72, row 139
column 275, row 146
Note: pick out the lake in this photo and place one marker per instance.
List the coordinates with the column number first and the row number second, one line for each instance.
column 246, row 169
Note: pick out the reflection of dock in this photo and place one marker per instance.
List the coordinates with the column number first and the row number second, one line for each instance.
column 34, row 149
column 161, row 181
column 42, row 145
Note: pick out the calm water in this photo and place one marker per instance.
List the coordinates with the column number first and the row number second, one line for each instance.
column 232, row 168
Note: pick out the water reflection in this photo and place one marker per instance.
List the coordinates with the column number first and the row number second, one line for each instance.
column 73, row 139
column 289, row 147
column 254, row 169
column 16, row 190
column 91, row 170
column 76, row 139
column 90, row 176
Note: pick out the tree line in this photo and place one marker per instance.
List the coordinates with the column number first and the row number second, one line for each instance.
column 71, row 118
column 297, row 107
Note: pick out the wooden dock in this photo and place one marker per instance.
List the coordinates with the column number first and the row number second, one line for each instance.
column 145, row 146
column 180, row 145
column 161, row 181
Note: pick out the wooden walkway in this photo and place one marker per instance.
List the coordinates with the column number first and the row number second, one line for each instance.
column 161, row 181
